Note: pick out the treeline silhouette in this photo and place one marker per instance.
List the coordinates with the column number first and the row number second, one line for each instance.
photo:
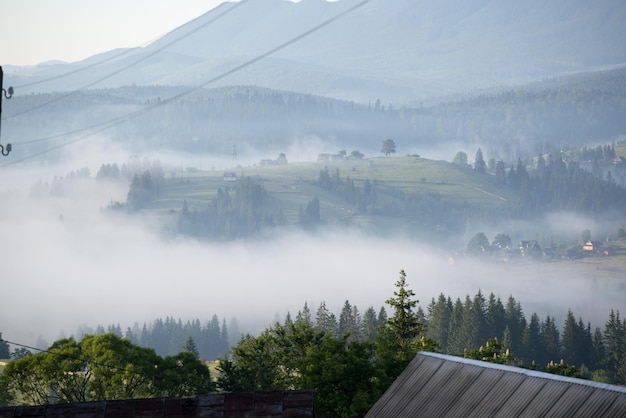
column 168, row 336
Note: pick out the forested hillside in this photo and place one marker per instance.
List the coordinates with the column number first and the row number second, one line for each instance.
column 427, row 200
column 508, row 125
column 349, row 358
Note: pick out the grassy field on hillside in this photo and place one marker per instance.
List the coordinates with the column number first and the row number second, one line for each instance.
column 294, row 185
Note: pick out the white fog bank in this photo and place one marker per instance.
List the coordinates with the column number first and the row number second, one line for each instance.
column 65, row 263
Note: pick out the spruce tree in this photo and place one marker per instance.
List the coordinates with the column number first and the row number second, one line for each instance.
column 551, row 341
column 438, row 325
column 370, row 324
column 613, row 342
column 531, row 340
column 494, row 317
column 479, row 162
column 455, row 343
column 400, row 339
column 190, row 347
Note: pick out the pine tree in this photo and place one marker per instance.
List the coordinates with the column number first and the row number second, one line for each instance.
column 500, row 173
column 345, row 319
column 479, row 162
column 455, row 343
column 370, row 324
column 438, row 324
column 224, row 344
column 478, row 313
column 467, row 334
column 324, row 320
column 506, row 338
column 613, row 342
column 571, row 340
column 531, row 340
column 404, row 323
column 304, row 315
column 516, row 322
column 495, row 317
column 356, row 323
column 190, row 347
column 551, row 341
column 599, row 351
column 402, row 336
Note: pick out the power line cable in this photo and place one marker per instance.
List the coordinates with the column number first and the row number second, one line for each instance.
column 124, row 68
column 116, row 121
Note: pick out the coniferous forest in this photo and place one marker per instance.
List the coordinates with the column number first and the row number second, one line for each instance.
column 349, row 358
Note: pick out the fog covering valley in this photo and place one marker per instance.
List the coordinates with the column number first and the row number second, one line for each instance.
column 516, row 80
column 68, row 264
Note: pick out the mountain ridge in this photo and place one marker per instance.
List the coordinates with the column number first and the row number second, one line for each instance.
column 407, row 50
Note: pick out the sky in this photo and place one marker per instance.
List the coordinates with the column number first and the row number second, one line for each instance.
column 36, row 31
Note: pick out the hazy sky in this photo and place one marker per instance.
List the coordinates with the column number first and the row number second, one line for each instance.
column 35, row 31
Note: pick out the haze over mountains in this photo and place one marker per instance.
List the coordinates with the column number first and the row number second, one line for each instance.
column 299, row 101
column 398, row 51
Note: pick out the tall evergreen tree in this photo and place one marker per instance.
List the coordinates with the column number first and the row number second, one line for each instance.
column 515, row 320
column 304, row 314
column 345, row 319
column 401, row 337
column 470, row 326
column 190, row 347
column 356, row 323
column 500, row 173
column 599, row 351
column 613, row 342
column 531, row 340
column 478, row 312
column 495, row 317
column 551, row 340
column 325, row 320
column 370, row 325
column 571, row 340
column 438, row 324
column 456, row 345
column 479, row 161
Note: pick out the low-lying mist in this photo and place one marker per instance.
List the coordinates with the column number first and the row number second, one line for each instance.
column 65, row 262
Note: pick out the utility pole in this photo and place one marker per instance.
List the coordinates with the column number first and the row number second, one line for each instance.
column 7, row 94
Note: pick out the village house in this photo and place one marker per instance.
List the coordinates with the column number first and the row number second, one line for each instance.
column 530, row 248
column 596, row 248
column 230, row 176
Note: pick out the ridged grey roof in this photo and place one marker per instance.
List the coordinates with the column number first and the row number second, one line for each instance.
column 437, row 385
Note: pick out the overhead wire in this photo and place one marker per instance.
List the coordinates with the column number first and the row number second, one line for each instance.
column 124, row 68
column 116, row 121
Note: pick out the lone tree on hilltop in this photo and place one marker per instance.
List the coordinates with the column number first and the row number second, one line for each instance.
column 389, row 147
column 479, row 162
column 460, row 159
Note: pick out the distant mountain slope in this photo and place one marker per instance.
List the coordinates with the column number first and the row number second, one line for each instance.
column 401, row 51
column 569, row 111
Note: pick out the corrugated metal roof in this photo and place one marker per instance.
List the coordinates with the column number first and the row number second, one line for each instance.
column 437, row 385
